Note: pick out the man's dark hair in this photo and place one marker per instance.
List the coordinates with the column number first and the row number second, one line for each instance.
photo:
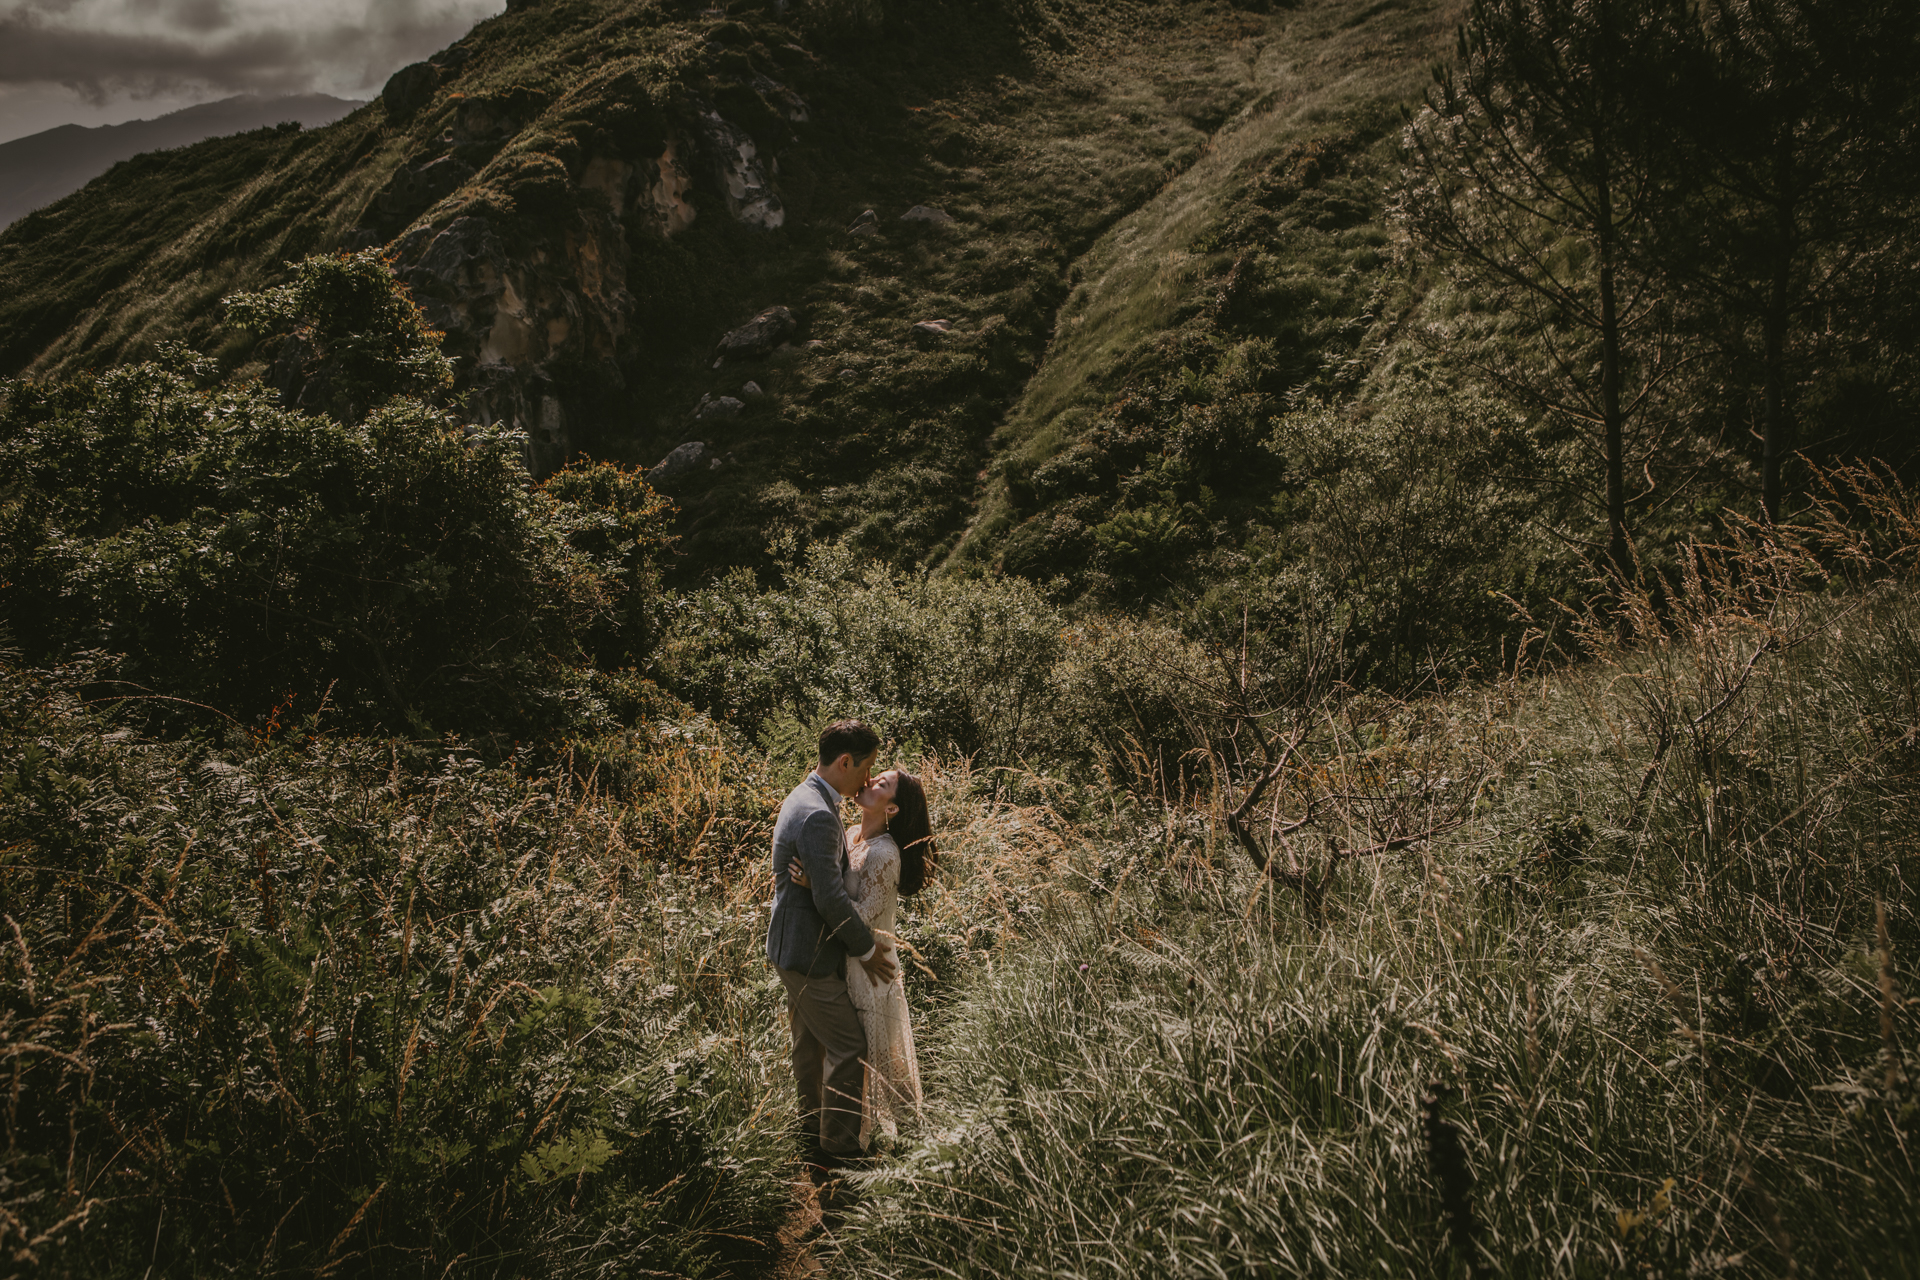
column 847, row 737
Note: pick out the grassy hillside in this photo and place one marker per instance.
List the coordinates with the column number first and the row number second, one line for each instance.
column 1037, row 128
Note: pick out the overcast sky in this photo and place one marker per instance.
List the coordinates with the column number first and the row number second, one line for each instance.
column 104, row 61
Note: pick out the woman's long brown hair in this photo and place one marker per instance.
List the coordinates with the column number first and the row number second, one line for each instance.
column 912, row 830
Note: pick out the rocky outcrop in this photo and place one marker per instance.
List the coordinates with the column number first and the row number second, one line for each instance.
column 757, row 337
column 734, row 159
column 413, row 190
column 685, row 461
column 527, row 274
column 927, row 214
column 409, row 89
column 668, row 191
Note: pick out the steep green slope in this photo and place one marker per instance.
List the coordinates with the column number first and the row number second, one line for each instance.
column 584, row 306
column 1258, row 280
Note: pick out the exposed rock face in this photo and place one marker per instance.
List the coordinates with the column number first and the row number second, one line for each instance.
column 757, row 337
column 865, row 225
column 668, row 192
column 927, row 214
column 735, row 161
column 453, row 271
column 528, row 276
column 409, row 89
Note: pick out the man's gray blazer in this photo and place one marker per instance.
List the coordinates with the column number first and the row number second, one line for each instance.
column 813, row 930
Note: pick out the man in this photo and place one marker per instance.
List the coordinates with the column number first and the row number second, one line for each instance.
column 814, row 932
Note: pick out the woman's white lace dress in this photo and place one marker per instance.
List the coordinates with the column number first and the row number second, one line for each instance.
column 893, row 1077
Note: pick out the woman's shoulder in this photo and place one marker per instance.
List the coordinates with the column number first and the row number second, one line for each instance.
column 882, row 845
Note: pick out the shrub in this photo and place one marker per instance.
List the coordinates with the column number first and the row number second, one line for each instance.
column 955, row 665
column 362, row 338
column 401, row 570
column 1414, row 532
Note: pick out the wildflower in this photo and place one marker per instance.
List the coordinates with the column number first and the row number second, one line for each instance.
column 1663, row 1199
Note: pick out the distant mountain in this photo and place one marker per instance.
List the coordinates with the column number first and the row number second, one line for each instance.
column 40, row 168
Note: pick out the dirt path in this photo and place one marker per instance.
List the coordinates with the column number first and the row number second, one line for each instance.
column 796, row 1241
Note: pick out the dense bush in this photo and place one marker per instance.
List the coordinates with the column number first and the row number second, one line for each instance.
column 1414, row 532
column 357, row 339
column 402, row 570
column 987, row 669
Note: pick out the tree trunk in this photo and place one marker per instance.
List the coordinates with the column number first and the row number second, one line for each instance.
column 1777, row 436
column 1777, row 424
column 1613, row 428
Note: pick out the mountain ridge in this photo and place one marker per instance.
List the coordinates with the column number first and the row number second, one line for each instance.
column 40, row 168
column 588, row 196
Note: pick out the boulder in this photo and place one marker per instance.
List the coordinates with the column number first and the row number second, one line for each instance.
column 927, row 214
column 685, row 460
column 409, row 89
column 932, row 328
column 757, row 337
column 865, row 225
column 717, row 409
column 751, row 391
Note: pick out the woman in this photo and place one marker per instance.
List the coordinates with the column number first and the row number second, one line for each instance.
column 889, row 853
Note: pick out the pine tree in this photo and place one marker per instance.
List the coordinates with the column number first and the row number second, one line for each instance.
column 1792, row 124
column 1532, row 174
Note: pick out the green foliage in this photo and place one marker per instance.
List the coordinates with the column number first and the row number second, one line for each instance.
column 367, row 339
column 1416, row 534
column 401, row 571
column 952, row 665
column 620, row 525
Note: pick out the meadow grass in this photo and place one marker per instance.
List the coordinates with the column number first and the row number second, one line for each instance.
column 1654, row 993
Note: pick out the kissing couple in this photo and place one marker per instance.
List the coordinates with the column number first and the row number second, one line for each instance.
column 835, row 891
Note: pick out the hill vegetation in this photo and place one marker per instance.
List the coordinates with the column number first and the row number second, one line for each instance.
column 40, row 168
column 1379, row 832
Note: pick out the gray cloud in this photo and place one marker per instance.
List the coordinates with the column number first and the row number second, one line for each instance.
column 101, row 49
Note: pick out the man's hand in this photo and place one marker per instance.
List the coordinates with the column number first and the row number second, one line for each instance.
column 880, row 967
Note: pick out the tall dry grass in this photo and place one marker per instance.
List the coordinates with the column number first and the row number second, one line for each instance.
column 1636, row 1007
